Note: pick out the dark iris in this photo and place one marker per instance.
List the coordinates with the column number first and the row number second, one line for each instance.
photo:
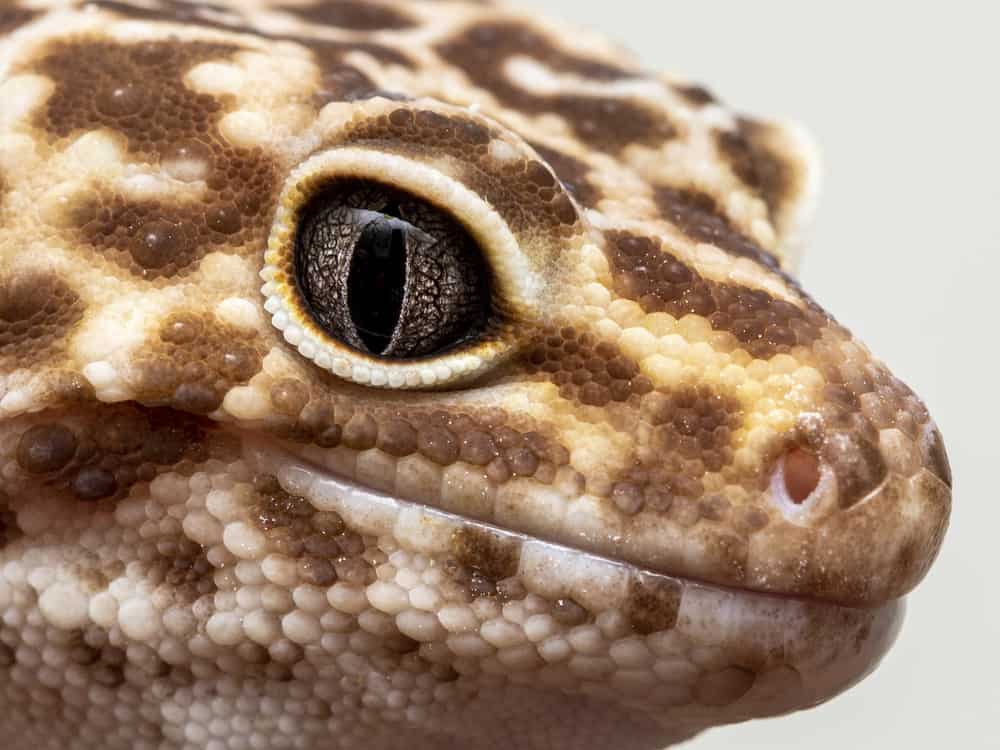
column 388, row 274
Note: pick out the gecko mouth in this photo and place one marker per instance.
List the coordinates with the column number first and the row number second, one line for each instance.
column 433, row 529
column 250, row 511
column 806, row 631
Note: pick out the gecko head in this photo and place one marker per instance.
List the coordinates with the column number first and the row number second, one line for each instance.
column 410, row 409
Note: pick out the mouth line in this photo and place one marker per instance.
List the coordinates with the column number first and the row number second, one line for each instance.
column 379, row 513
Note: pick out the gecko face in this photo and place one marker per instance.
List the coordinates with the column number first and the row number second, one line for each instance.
column 411, row 374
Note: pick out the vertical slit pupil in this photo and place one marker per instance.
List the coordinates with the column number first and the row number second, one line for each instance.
column 377, row 281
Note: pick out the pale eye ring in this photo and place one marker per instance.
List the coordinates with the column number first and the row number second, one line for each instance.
column 389, row 273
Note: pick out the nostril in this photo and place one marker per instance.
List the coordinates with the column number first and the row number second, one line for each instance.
column 802, row 474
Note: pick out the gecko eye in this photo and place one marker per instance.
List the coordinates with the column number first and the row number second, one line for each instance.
column 389, row 274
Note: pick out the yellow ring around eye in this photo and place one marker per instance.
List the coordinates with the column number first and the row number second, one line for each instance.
column 518, row 286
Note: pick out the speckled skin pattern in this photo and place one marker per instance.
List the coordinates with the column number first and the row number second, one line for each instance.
column 663, row 491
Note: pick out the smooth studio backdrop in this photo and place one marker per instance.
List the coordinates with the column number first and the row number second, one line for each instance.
column 904, row 101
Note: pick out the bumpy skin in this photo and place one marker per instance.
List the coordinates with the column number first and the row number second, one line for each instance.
column 665, row 491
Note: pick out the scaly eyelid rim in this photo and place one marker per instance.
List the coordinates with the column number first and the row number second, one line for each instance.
column 519, row 285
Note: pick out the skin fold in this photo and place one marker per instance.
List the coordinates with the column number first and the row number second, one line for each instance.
column 613, row 479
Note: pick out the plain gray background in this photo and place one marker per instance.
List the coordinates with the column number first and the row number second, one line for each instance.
column 904, row 100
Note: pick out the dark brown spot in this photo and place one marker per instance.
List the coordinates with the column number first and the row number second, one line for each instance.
column 123, row 445
column 195, row 361
column 568, row 612
column 360, row 432
column 181, row 328
column 572, row 173
column 122, row 432
column 46, row 448
column 438, row 444
column 756, row 163
column 352, row 14
column 653, row 603
column 700, row 218
column 585, row 370
column 648, row 273
column 105, row 85
column 290, row 396
column 317, row 571
column 523, row 190
column 477, row 448
column 94, row 483
column 613, row 124
column 397, row 438
column 481, row 52
column 697, row 95
column 121, row 101
column 158, row 244
column 485, row 552
column 196, row 398
column 174, row 11
column 37, row 313
column 858, row 465
column 13, row 17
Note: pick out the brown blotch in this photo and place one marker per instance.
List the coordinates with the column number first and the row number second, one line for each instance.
column 14, row 17
column 572, row 173
column 397, row 437
column 107, row 664
column 107, row 85
column 195, row 361
column 646, row 272
column 438, row 444
column 289, row 396
column 688, row 434
column 486, row 553
column 698, row 216
column 524, row 191
column 567, row 612
column 653, row 603
column 695, row 94
column 360, row 432
column 352, row 14
column 46, row 448
column 611, row 125
column 9, row 530
column 115, row 449
column 482, row 50
column 38, row 311
column 337, row 85
column 326, row 550
column 172, row 11
column 586, row 370
column 183, row 569
column 755, row 162
column 857, row 464
column 340, row 82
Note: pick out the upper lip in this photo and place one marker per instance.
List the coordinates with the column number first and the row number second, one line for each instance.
column 381, row 503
